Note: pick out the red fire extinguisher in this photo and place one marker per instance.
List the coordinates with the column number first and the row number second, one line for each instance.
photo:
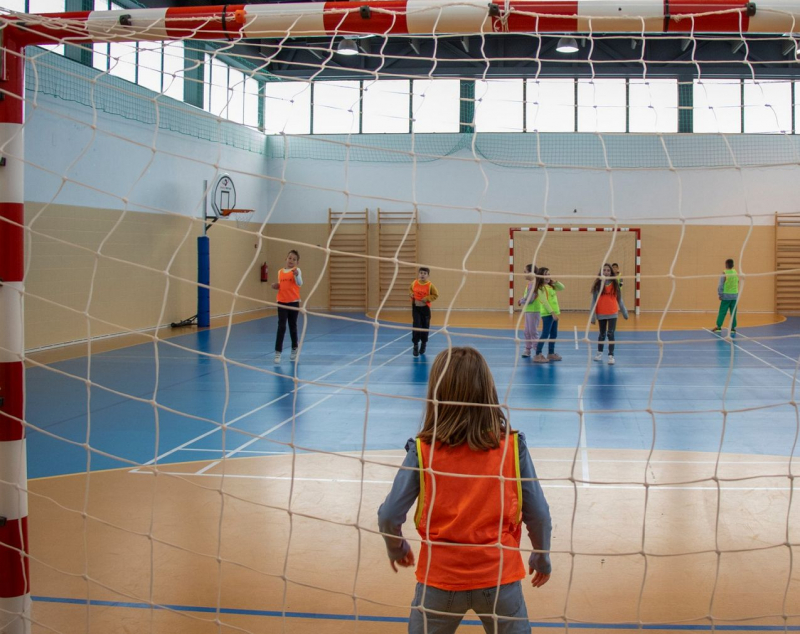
column 264, row 272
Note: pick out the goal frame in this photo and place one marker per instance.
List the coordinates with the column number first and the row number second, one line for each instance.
column 638, row 255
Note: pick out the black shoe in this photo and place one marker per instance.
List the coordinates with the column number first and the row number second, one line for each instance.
column 416, row 350
column 424, row 346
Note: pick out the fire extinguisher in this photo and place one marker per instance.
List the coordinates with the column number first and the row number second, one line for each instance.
column 264, row 272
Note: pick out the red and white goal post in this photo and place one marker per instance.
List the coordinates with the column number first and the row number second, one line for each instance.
column 232, row 23
column 637, row 255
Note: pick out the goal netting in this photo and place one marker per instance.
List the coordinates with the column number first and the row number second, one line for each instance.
column 158, row 479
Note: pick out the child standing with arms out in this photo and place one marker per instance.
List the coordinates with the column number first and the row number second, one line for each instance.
column 475, row 485
column 422, row 292
column 606, row 305
column 728, row 291
column 290, row 279
column 546, row 290
column 532, row 307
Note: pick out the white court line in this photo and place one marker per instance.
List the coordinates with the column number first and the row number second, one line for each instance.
column 273, row 401
column 296, row 415
column 792, row 359
column 755, row 356
column 595, row 485
column 576, row 338
column 584, row 448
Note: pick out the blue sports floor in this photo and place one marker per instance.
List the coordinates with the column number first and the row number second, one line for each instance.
column 167, row 403
column 199, row 397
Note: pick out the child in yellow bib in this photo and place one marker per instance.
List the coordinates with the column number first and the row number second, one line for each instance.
column 728, row 292
column 546, row 291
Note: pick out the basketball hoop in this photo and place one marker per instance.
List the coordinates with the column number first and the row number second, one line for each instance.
column 241, row 216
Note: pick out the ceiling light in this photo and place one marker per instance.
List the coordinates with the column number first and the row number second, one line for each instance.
column 567, row 45
column 347, row 47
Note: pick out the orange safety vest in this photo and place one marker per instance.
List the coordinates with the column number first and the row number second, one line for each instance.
column 421, row 291
column 607, row 303
column 289, row 291
column 455, row 510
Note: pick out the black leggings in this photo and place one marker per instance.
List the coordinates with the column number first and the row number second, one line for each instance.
column 289, row 313
column 609, row 325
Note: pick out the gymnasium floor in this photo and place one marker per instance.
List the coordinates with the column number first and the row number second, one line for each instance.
column 280, row 535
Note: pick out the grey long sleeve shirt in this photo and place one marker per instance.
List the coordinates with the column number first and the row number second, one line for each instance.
column 405, row 491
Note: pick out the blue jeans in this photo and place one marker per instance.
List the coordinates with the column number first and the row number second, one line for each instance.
column 501, row 609
column 549, row 331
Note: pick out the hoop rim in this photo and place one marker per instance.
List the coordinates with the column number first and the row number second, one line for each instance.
column 227, row 212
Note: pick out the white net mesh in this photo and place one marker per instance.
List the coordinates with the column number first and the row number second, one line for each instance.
column 192, row 481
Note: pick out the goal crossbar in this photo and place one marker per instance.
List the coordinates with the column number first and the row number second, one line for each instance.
column 638, row 254
column 403, row 17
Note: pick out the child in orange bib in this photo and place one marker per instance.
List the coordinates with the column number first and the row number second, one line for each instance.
column 422, row 292
column 290, row 279
column 475, row 486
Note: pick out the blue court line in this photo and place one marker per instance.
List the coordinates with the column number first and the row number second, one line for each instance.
column 399, row 619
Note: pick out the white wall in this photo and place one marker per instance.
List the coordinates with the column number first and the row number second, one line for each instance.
column 154, row 169
column 454, row 188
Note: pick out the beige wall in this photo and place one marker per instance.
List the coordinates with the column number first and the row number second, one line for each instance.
column 65, row 269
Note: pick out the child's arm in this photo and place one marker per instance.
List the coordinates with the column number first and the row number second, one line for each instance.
column 558, row 286
column 721, row 286
column 392, row 513
column 622, row 308
column 298, row 276
column 535, row 515
column 411, row 290
column 542, row 295
column 593, row 315
column 432, row 295
column 524, row 297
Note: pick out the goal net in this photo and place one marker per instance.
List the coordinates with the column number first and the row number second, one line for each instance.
column 190, row 479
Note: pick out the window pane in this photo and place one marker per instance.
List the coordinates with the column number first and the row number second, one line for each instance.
column 601, row 105
column 336, row 107
column 796, row 106
column 385, row 106
column 768, row 106
column 122, row 60
column 150, row 65
column 173, row 70
column 100, row 56
column 15, row 5
column 436, row 105
column 498, row 105
column 235, row 95
column 48, row 6
column 251, row 102
column 550, row 105
column 287, row 107
column 717, row 105
column 653, row 105
column 218, row 104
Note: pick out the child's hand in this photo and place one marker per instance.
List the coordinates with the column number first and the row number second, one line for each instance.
column 295, row 272
column 555, row 317
column 405, row 562
column 276, row 286
column 539, row 579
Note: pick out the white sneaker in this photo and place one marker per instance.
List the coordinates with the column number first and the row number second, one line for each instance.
column 611, row 359
column 277, row 357
column 293, row 356
column 598, row 356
